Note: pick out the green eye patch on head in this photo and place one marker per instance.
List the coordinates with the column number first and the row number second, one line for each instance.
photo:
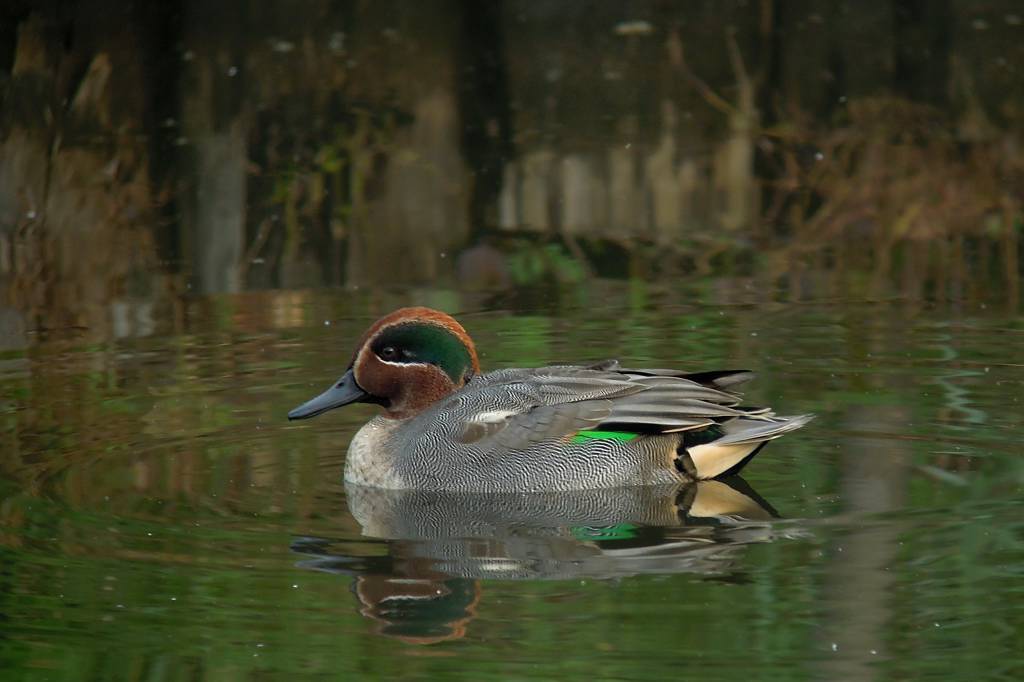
column 425, row 343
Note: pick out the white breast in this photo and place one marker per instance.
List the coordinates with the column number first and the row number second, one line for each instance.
column 369, row 461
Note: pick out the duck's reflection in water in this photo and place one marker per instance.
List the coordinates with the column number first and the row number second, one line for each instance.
column 427, row 587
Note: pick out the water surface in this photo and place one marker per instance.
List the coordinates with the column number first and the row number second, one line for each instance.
column 160, row 518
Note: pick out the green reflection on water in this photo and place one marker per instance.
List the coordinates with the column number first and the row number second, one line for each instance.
column 152, row 495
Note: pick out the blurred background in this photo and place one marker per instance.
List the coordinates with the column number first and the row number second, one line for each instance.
column 149, row 150
column 203, row 205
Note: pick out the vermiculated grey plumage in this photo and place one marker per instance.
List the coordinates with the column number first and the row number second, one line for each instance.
column 515, row 429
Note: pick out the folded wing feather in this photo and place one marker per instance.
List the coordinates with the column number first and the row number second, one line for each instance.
column 559, row 401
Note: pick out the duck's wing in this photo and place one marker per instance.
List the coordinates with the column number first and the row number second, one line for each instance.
column 520, row 407
column 517, row 408
column 725, row 379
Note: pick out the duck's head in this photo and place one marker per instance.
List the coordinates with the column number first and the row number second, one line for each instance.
column 405, row 362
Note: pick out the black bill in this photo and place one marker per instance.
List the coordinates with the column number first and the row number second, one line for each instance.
column 343, row 392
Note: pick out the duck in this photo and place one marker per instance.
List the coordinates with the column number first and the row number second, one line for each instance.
column 447, row 426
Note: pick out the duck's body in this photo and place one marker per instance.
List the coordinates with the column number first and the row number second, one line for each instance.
column 564, row 427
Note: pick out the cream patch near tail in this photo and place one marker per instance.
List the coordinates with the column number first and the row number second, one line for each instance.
column 742, row 439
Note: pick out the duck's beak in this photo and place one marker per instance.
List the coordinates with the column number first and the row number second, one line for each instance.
column 344, row 391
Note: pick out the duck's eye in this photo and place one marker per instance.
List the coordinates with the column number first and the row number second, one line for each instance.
column 389, row 353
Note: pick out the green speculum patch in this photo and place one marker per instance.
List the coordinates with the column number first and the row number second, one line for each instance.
column 418, row 342
column 584, row 436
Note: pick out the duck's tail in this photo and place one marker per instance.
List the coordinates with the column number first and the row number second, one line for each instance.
column 741, row 439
